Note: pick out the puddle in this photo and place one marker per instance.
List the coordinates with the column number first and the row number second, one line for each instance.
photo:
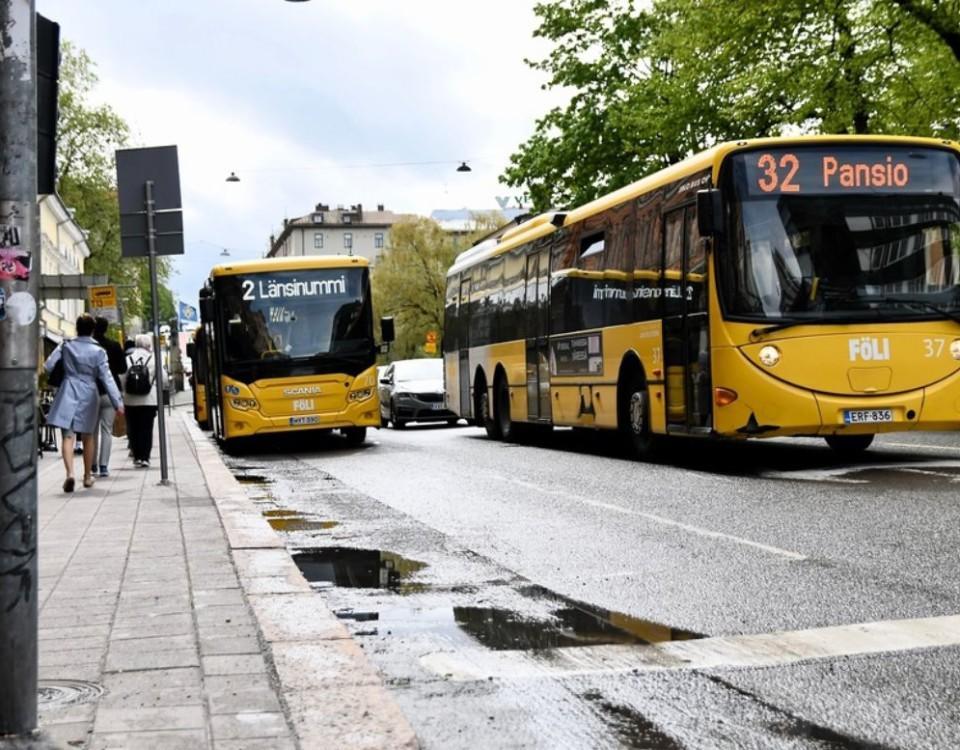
column 253, row 479
column 283, row 519
column 358, row 568
column 633, row 728
column 906, row 476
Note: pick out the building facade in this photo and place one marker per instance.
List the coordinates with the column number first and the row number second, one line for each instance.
column 336, row 231
column 63, row 250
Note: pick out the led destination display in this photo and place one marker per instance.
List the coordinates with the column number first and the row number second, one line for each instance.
column 808, row 171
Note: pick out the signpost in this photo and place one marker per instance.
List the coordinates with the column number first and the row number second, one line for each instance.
column 103, row 302
column 151, row 224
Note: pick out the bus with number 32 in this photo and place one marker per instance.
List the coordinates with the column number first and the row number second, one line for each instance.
column 288, row 346
column 804, row 286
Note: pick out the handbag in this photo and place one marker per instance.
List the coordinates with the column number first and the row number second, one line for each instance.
column 55, row 378
column 119, row 425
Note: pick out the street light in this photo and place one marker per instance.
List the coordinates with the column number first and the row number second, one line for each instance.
column 464, row 167
column 233, row 175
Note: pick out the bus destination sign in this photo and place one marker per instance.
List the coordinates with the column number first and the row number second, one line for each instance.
column 806, row 171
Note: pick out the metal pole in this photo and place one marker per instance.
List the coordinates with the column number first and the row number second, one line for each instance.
column 19, row 337
column 157, row 353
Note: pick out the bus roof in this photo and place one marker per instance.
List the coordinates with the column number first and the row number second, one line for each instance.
column 544, row 224
column 297, row 263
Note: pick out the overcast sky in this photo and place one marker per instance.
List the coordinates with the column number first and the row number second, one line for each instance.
column 306, row 101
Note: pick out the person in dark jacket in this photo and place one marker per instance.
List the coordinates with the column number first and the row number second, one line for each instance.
column 118, row 366
column 76, row 407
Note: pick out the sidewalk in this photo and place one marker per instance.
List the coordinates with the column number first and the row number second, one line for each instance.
column 173, row 617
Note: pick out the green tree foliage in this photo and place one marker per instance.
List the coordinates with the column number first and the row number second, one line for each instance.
column 649, row 87
column 87, row 136
column 410, row 282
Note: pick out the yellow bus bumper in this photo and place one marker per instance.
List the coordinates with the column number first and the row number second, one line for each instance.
column 239, row 423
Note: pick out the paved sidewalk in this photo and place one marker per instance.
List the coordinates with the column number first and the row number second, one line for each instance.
column 187, row 611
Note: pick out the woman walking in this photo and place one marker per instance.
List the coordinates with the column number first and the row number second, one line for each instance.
column 76, row 407
column 140, row 397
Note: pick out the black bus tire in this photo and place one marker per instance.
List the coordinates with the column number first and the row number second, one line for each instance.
column 501, row 407
column 849, row 445
column 485, row 414
column 634, row 417
column 354, row 435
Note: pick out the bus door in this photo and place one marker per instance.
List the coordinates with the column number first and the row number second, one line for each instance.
column 685, row 326
column 537, row 316
column 463, row 343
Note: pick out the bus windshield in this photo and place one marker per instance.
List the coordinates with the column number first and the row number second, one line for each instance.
column 296, row 315
column 858, row 233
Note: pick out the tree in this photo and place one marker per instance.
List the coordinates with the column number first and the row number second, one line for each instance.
column 650, row 87
column 87, row 137
column 410, row 281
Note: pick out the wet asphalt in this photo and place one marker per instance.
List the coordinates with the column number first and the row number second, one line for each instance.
column 435, row 543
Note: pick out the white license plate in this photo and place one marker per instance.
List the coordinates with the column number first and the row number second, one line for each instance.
column 867, row 416
column 304, row 420
column 436, row 407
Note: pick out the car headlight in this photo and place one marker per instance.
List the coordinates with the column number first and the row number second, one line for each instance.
column 244, row 403
column 362, row 395
column 769, row 355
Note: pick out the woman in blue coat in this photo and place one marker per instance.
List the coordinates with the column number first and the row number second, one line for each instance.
column 76, row 407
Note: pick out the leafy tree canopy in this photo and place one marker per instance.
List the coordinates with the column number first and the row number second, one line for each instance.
column 87, row 136
column 651, row 86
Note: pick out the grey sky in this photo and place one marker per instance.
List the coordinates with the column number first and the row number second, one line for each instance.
column 301, row 98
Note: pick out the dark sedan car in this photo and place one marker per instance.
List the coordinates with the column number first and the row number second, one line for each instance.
column 411, row 390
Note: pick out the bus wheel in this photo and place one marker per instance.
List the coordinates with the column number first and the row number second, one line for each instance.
column 849, row 445
column 508, row 430
column 635, row 418
column 354, row 435
column 484, row 415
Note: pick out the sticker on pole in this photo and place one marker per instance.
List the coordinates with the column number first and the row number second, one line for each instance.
column 14, row 259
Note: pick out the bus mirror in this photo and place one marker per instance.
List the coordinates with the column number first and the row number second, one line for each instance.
column 191, row 349
column 387, row 334
column 206, row 309
column 709, row 213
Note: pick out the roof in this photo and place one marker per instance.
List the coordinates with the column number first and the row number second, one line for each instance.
column 542, row 225
column 297, row 263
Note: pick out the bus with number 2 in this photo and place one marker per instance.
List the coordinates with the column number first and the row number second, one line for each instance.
column 290, row 347
column 804, row 286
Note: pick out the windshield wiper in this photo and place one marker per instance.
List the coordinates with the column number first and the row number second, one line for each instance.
column 758, row 333
column 923, row 305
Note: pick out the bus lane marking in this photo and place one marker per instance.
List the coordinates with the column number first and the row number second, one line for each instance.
column 779, row 649
column 698, row 530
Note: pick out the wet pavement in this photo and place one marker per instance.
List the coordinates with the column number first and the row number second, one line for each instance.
column 441, row 550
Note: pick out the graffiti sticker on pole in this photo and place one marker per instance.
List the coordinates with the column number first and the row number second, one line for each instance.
column 14, row 260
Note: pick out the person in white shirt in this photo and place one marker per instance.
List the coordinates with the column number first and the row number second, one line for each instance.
column 141, row 407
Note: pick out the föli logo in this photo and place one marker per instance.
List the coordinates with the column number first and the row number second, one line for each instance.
column 869, row 349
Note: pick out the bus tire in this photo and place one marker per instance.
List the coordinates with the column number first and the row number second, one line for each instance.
column 849, row 445
column 354, row 435
column 634, row 417
column 484, row 412
column 501, row 407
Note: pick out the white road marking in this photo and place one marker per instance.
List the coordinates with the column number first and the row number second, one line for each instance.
column 699, row 531
column 727, row 652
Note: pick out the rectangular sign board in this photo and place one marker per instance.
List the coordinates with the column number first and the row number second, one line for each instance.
column 103, row 302
column 160, row 166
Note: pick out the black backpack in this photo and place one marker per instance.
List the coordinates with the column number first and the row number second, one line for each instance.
column 138, row 378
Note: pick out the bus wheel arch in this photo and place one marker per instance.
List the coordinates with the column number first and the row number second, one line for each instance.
column 482, row 410
column 633, row 408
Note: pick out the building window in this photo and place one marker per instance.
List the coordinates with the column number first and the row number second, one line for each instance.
column 347, row 219
column 378, row 239
column 318, row 240
column 348, row 240
column 318, row 218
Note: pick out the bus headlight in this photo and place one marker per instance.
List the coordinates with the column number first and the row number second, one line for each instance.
column 769, row 355
column 955, row 348
column 243, row 404
column 361, row 395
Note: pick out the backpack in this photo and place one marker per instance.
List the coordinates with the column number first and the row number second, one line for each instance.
column 138, row 378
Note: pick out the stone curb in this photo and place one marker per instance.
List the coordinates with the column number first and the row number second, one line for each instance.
column 334, row 697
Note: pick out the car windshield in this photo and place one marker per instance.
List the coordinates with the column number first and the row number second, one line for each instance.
column 296, row 314
column 861, row 248
column 418, row 369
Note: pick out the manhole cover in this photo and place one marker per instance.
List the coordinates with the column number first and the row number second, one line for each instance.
column 53, row 694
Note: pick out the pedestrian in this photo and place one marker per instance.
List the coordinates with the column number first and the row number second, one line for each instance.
column 76, row 407
column 140, row 397
column 128, row 346
column 118, row 366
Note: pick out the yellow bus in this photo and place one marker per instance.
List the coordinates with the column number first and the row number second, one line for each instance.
column 290, row 347
column 803, row 286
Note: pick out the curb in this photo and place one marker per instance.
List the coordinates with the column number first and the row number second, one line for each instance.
column 332, row 694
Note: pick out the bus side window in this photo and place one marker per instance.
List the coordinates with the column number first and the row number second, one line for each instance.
column 449, row 341
column 646, row 263
column 672, row 261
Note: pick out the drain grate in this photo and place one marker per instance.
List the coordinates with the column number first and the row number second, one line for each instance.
column 54, row 694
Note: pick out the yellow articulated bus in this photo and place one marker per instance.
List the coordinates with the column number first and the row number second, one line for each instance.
column 290, row 347
column 779, row 287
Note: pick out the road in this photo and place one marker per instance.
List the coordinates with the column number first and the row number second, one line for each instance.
column 793, row 600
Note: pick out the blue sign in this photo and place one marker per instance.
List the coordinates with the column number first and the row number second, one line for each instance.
column 188, row 313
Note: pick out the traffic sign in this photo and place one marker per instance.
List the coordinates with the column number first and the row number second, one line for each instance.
column 430, row 348
column 432, row 337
